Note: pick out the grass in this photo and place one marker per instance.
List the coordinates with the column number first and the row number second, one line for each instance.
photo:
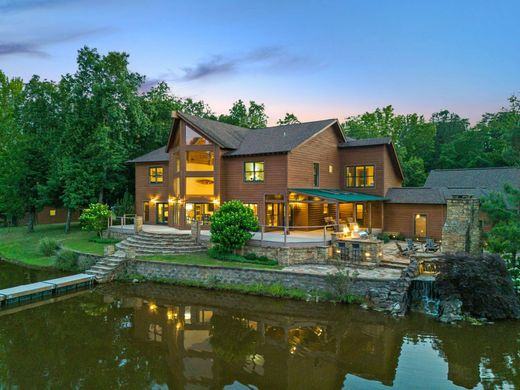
column 202, row 258
column 18, row 245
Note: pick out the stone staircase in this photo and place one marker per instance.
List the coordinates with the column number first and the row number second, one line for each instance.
column 148, row 243
column 105, row 269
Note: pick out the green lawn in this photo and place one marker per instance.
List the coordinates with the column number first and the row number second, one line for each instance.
column 202, row 258
column 17, row 244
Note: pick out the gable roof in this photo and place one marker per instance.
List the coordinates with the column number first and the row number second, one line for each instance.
column 157, row 155
column 279, row 139
column 225, row 135
column 492, row 179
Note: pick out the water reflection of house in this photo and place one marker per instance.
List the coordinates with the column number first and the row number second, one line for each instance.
column 203, row 347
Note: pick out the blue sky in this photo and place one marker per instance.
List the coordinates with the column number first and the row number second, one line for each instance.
column 318, row 59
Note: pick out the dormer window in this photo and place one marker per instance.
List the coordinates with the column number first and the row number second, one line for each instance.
column 194, row 138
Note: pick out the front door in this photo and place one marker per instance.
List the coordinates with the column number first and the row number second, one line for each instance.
column 420, row 225
column 162, row 213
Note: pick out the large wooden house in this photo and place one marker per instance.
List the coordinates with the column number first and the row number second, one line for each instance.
column 301, row 175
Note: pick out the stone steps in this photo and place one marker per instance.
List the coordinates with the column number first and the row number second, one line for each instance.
column 146, row 243
column 104, row 269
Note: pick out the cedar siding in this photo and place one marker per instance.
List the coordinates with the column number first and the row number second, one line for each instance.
column 322, row 149
column 399, row 218
column 386, row 175
column 234, row 187
column 147, row 192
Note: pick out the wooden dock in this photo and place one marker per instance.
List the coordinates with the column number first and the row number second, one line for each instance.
column 39, row 290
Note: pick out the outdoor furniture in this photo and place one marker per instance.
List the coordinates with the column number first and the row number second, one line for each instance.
column 403, row 252
column 410, row 245
column 431, row 246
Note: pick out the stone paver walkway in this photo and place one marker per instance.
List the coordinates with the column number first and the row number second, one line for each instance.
column 376, row 273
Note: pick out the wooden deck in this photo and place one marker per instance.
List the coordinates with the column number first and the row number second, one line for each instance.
column 29, row 292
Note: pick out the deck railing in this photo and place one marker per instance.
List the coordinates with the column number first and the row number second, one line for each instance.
column 122, row 221
column 287, row 230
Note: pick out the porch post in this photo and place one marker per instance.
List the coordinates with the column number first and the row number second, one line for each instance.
column 337, row 215
column 370, row 217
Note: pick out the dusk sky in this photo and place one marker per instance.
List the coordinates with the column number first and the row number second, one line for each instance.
column 317, row 59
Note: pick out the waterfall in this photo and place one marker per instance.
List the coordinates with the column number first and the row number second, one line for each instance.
column 423, row 296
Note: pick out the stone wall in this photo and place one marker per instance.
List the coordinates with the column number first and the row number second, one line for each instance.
column 249, row 276
column 117, row 234
column 293, row 255
column 393, row 297
column 462, row 230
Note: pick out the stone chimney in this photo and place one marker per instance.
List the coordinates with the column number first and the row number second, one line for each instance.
column 462, row 231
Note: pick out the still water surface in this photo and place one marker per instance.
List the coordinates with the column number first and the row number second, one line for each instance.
column 150, row 336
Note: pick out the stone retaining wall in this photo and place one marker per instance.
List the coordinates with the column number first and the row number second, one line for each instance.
column 248, row 276
column 292, row 255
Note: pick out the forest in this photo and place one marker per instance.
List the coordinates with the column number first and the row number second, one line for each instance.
column 65, row 143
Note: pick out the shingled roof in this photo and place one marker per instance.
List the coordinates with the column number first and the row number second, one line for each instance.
column 225, row 135
column 443, row 184
column 352, row 143
column 492, row 179
column 157, row 155
column 427, row 195
column 279, row 139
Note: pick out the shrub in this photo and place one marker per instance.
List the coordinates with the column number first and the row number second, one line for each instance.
column 95, row 218
column 482, row 283
column 217, row 254
column 385, row 237
column 84, row 263
column 48, row 246
column 231, row 226
column 101, row 240
column 341, row 283
column 66, row 260
column 250, row 256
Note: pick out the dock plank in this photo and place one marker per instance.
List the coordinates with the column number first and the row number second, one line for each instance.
column 26, row 289
column 70, row 280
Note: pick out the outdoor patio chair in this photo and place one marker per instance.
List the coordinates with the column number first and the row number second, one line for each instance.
column 410, row 245
column 431, row 246
column 402, row 252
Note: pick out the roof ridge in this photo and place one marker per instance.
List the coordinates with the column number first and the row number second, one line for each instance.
column 473, row 168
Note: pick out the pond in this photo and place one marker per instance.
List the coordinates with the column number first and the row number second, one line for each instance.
column 12, row 275
column 149, row 336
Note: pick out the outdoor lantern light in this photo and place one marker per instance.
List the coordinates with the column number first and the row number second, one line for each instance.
column 356, row 228
column 346, row 230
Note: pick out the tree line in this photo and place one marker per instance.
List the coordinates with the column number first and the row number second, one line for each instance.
column 65, row 143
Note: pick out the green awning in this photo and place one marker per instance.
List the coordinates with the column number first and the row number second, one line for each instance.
column 341, row 196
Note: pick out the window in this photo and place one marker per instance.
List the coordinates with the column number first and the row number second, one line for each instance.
column 52, row 212
column 360, row 211
column 316, row 174
column 254, row 171
column 194, row 138
column 360, row 176
column 254, row 207
column 176, row 162
column 420, row 225
column 200, row 160
column 156, row 175
column 201, row 212
column 200, row 185
column 176, row 186
column 274, row 197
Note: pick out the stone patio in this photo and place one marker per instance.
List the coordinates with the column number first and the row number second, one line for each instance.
column 379, row 273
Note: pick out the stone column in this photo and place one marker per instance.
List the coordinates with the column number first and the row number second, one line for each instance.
column 462, row 230
column 138, row 224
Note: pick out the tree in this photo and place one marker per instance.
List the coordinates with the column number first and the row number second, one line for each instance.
column 95, row 218
column 253, row 117
column 289, row 119
column 503, row 212
column 104, row 126
column 231, row 226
